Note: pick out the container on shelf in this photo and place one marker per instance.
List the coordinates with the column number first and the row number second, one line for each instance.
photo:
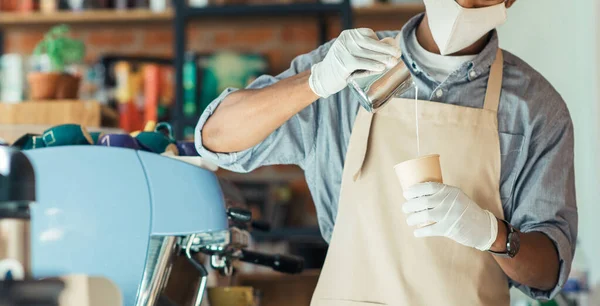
column 577, row 286
column 68, row 87
column 26, row 6
column 48, row 6
column 158, row 6
column 198, row 3
column 405, row 1
column 121, row 4
column 362, row 3
column 76, row 5
column 97, row 4
column 141, row 3
column 12, row 78
column 190, row 85
column 43, row 85
column 8, row 5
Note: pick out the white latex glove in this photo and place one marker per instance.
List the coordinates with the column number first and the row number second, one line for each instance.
column 452, row 213
column 354, row 50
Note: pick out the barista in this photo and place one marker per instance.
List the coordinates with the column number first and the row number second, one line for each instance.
column 506, row 213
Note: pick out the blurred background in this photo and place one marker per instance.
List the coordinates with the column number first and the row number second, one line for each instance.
column 113, row 65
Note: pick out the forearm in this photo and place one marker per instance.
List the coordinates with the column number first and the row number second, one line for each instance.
column 247, row 117
column 536, row 265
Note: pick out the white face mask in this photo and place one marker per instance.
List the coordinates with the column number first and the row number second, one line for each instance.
column 455, row 27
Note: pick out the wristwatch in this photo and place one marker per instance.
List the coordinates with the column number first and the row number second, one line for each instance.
column 513, row 242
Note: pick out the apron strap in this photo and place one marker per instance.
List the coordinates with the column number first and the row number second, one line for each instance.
column 492, row 95
column 360, row 133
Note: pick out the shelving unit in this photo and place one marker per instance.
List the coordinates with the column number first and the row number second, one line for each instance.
column 145, row 15
column 181, row 15
column 184, row 14
column 381, row 9
column 91, row 16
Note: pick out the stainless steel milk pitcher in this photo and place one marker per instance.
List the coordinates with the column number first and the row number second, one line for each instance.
column 376, row 90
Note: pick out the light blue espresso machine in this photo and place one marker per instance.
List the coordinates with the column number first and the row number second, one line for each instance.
column 125, row 214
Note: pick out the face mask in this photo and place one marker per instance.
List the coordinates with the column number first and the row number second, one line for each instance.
column 455, row 27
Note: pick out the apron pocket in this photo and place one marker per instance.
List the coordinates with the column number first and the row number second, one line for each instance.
column 346, row 302
column 511, row 146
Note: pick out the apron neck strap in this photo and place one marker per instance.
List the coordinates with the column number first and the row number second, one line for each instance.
column 492, row 95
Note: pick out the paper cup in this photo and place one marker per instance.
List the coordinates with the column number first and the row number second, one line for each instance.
column 419, row 170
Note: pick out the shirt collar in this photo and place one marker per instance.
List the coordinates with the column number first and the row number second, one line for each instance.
column 471, row 70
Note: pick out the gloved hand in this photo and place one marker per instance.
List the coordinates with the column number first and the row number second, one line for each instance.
column 354, row 50
column 455, row 215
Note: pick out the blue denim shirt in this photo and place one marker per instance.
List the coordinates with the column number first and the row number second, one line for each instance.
column 537, row 184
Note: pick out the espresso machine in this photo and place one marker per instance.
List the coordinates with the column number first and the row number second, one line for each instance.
column 17, row 194
column 125, row 215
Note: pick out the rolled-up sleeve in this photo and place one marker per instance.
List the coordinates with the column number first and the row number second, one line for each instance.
column 289, row 144
column 545, row 194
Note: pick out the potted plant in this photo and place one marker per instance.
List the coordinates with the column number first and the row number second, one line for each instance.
column 59, row 50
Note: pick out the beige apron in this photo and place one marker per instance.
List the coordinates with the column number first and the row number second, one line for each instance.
column 374, row 258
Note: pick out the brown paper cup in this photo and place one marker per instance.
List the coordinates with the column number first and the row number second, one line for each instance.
column 419, row 170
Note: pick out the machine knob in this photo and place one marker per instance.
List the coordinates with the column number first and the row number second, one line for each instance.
column 239, row 215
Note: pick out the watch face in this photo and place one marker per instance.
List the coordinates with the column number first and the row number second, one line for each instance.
column 514, row 243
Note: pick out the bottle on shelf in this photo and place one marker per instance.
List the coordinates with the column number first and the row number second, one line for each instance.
column 576, row 288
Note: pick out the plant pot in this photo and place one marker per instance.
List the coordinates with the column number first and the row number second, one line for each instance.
column 68, row 87
column 43, row 85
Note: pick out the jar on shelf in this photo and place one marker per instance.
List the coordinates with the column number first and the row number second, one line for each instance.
column 48, row 6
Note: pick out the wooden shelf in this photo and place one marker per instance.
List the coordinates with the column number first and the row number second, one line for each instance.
column 144, row 15
column 36, row 116
column 87, row 113
column 91, row 16
column 389, row 9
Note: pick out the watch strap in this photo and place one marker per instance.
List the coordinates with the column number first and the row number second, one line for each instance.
column 509, row 231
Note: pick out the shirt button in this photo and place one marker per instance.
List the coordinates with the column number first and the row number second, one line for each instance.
column 473, row 73
column 439, row 93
